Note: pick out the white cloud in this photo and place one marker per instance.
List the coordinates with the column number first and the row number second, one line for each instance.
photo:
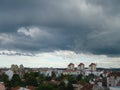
column 6, row 38
column 13, row 53
column 33, row 32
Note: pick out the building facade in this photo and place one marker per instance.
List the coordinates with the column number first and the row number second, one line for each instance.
column 71, row 66
column 92, row 67
column 81, row 66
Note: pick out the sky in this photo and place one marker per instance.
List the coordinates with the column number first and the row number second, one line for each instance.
column 54, row 33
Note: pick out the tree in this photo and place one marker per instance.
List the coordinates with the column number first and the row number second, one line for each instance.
column 71, row 79
column 44, row 87
column 16, row 81
column 61, row 86
column 60, row 77
column 48, row 78
column 32, row 81
column 69, row 87
column 30, row 78
column 41, row 78
column 4, row 78
column 79, row 77
column 36, row 74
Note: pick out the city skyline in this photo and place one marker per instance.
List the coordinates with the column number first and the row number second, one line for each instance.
column 55, row 33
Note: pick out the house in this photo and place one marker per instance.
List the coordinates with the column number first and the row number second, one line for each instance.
column 10, row 74
column 71, row 66
column 92, row 67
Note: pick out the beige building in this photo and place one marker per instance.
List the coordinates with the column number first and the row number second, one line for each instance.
column 81, row 66
column 71, row 66
column 14, row 68
column 92, row 67
column 21, row 70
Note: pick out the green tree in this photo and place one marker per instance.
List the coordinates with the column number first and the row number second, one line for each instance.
column 71, row 79
column 41, row 78
column 4, row 78
column 44, row 87
column 36, row 74
column 69, row 87
column 89, row 77
column 61, row 86
column 31, row 81
column 60, row 77
column 16, row 81
column 31, row 78
column 48, row 78
column 79, row 77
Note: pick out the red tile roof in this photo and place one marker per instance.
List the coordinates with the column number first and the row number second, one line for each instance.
column 80, row 64
column 92, row 64
column 70, row 64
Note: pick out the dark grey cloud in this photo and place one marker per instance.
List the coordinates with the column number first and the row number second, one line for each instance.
column 87, row 26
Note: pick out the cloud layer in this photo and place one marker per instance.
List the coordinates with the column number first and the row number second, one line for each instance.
column 83, row 26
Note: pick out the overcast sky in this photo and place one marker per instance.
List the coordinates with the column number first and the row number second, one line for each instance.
column 53, row 33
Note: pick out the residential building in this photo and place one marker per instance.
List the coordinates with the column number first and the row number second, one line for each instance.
column 92, row 67
column 81, row 66
column 71, row 66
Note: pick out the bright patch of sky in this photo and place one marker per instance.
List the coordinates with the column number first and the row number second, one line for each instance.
column 59, row 59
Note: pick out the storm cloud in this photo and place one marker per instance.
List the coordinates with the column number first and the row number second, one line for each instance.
column 83, row 26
